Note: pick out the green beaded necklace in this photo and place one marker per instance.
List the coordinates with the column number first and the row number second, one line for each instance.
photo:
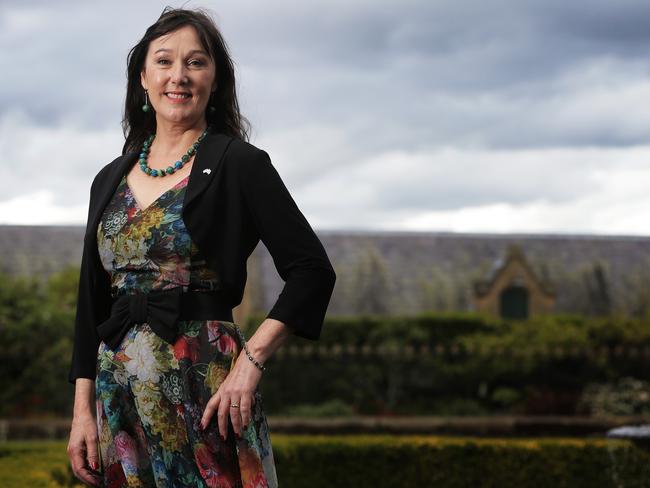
column 146, row 147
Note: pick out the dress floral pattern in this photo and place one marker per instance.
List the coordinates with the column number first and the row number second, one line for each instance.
column 150, row 395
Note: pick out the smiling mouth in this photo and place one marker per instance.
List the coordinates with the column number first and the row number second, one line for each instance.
column 178, row 96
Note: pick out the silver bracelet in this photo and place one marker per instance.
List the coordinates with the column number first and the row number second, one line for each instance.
column 255, row 362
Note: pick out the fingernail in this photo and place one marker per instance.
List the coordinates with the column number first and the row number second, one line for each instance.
column 95, row 465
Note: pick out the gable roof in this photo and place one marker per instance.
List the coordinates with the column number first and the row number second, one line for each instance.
column 514, row 254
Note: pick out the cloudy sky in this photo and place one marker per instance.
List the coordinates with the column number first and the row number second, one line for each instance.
column 465, row 116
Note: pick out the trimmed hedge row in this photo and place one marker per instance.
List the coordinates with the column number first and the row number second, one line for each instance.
column 444, row 328
column 517, row 377
column 408, row 461
column 398, row 461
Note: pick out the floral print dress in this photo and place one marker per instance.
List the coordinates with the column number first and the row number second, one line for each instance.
column 150, row 394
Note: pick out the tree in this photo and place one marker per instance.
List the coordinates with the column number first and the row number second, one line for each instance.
column 598, row 292
column 372, row 287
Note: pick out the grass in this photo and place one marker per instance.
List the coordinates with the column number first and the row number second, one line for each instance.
column 34, row 464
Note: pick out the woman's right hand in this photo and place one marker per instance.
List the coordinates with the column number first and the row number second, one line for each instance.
column 82, row 449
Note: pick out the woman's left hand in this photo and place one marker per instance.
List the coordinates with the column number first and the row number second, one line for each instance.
column 237, row 388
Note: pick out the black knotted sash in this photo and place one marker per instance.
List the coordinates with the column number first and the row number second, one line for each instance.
column 162, row 309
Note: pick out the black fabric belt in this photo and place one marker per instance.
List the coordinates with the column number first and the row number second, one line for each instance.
column 162, row 309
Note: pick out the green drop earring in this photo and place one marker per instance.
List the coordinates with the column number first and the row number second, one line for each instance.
column 146, row 107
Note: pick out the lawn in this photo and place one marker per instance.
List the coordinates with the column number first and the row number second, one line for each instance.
column 34, row 464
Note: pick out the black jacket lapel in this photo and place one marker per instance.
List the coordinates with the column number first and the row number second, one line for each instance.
column 205, row 165
column 105, row 188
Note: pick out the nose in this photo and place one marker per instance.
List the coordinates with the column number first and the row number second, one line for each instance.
column 179, row 74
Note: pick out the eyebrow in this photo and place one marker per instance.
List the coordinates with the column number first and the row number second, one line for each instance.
column 200, row 51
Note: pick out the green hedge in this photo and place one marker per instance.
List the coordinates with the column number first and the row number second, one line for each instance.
column 454, row 327
column 36, row 322
column 519, row 374
column 409, row 461
column 404, row 461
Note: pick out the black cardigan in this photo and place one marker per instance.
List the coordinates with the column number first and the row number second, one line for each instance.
column 227, row 209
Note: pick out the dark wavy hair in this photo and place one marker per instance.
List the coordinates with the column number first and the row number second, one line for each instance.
column 137, row 125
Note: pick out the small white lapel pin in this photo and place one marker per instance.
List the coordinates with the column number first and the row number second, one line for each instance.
column 207, row 171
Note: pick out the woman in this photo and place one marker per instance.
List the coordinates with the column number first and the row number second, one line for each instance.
column 171, row 223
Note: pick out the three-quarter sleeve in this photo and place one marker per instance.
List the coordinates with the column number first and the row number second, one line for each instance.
column 93, row 306
column 298, row 254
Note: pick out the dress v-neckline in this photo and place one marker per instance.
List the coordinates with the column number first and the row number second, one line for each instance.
column 142, row 209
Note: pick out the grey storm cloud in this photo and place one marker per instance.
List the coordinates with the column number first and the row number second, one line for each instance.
column 395, row 72
column 355, row 82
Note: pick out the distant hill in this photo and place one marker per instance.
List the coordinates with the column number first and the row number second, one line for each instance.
column 402, row 272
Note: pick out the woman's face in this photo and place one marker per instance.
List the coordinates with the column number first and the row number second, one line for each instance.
column 179, row 76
